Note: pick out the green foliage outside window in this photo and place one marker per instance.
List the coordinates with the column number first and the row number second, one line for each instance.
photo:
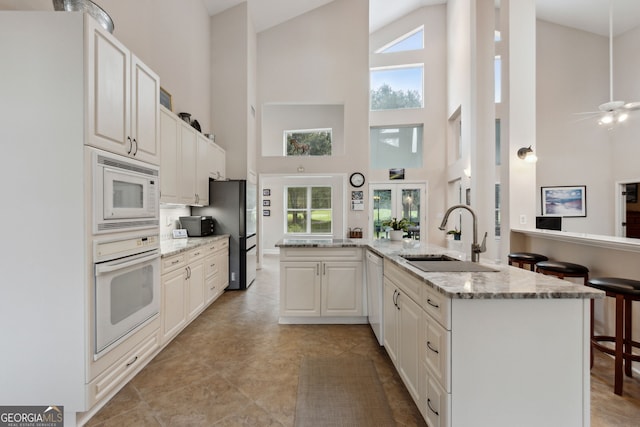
column 309, row 210
column 385, row 98
column 308, row 143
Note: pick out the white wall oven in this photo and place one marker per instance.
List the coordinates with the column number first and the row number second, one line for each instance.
column 125, row 193
column 127, row 288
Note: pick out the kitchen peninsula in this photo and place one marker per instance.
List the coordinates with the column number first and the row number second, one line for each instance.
column 501, row 348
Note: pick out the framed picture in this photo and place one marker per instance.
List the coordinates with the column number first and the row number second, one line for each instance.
column 397, row 173
column 564, row 201
column 357, row 195
column 632, row 193
column 266, row 192
column 266, row 203
column 266, row 212
column 165, row 99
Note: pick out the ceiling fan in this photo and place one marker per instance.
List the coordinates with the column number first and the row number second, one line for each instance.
column 614, row 112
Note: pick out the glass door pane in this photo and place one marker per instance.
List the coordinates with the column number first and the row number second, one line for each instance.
column 410, row 198
column 398, row 200
column 381, row 211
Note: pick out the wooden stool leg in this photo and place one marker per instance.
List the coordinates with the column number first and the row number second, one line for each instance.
column 628, row 347
column 619, row 355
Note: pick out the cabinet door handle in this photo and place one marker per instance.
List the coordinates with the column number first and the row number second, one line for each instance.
column 132, row 362
column 136, row 143
column 432, row 304
column 324, row 269
column 431, row 408
column 130, row 145
column 431, row 348
column 188, row 272
column 317, row 269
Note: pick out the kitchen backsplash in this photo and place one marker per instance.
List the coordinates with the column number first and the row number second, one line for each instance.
column 169, row 219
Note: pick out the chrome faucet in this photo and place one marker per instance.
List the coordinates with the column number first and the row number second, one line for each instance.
column 475, row 248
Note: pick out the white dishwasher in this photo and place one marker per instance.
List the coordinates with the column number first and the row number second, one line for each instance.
column 375, row 293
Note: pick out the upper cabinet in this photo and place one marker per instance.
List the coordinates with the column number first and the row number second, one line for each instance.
column 189, row 159
column 122, row 99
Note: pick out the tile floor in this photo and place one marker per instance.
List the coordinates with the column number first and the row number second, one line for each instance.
column 235, row 366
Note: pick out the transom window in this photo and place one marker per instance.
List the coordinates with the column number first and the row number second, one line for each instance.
column 412, row 40
column 394, row 88
column 307, row 142
column 309, row 210
column 396, row 147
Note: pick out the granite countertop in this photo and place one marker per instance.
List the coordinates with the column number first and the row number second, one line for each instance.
column 171, row 247
column 506, row 283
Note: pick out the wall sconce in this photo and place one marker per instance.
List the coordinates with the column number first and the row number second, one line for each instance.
column 467, row 172
column 527, row 154
column 300, row 169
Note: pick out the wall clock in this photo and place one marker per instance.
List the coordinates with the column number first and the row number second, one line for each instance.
column 356, row 179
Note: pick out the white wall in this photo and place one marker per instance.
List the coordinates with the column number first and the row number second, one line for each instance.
column 320, row 58
column 230, row 105
column 171, row 37
column 572, row 149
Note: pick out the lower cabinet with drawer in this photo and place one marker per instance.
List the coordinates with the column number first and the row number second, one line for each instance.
column 190, row 282
column 488, row 361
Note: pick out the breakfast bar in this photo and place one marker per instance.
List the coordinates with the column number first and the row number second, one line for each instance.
column 499, row 347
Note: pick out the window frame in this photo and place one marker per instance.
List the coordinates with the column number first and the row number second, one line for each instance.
column 308, row 210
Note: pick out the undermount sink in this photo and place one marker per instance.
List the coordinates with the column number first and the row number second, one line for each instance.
column 433, row 257
column 442, row 264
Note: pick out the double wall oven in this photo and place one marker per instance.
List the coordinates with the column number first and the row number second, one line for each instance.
column 126, row 247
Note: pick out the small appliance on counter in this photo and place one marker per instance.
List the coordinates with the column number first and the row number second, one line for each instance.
column 197, row 226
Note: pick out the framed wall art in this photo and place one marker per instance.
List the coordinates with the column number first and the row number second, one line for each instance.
column 266, row 192
column 564, row 201
column 266, row 203
column 266, row 212
column 165, row 99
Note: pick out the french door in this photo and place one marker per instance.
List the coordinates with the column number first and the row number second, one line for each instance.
column 398, row 200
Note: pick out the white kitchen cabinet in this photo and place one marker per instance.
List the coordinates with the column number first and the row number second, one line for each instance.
column 169, row 155
column 203, row 168
column 188, row 160
column 300, row 288
column 191, row 281
column 187, row 164
column 195, row 285
column 342, row 288
column 403, row 335
column 216, row 270
column 217, row 157
column 325, row 283
column 123, row 114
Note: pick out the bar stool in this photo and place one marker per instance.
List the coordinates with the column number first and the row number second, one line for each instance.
column 563, row 269
column 624, row 291
column 526, row 258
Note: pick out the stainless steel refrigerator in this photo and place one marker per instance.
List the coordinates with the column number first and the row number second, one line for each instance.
column 232, row 204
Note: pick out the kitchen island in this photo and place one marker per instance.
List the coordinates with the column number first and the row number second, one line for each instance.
column 500, row 348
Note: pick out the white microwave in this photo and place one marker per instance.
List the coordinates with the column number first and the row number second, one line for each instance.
column 125, row 193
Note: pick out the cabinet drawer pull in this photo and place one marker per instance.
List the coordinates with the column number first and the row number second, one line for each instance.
column 432, row 304
column 431, row 408
column 175, row 262
column 196, row 253
column 132, row 362
column 212, row 265
column 431, row 348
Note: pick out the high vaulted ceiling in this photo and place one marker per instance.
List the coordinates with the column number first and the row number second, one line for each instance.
column 587, row 15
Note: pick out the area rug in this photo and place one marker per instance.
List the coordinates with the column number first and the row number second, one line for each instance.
column 341, row 392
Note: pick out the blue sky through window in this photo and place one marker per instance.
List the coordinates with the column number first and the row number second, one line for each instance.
column 410, row 42
column 405, row 78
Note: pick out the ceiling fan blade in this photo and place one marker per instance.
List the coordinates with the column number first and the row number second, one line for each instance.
column 632, row 106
